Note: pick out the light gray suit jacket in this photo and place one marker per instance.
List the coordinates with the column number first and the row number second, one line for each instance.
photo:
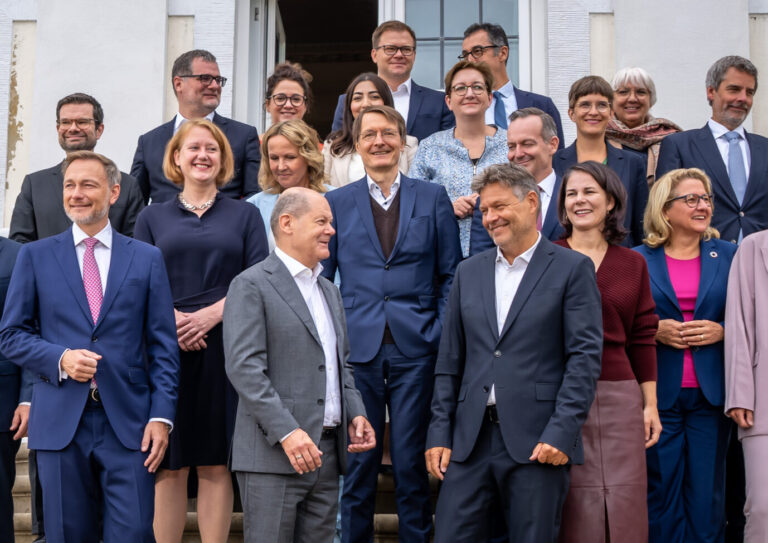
column 746, row 341
column 276, row 363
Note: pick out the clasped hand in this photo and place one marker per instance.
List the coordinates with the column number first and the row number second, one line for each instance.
column 682, row 335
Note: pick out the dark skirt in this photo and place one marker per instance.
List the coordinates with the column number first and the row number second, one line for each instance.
column 205, row 412
column 608, row 492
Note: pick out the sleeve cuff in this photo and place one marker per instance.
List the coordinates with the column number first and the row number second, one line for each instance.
column 286, row 436
column 165, row 421
column 62, row 374
column 25, row 403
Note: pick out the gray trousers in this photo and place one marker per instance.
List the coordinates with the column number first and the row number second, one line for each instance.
column 292, row 508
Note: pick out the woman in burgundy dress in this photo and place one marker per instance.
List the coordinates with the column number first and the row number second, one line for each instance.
column 607, row 496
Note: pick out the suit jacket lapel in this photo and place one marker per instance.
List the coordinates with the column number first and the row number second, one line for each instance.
column 710, row 155
column 286, row 287
column 757, row 166
column 407, row 201
column 414, row 104
column 657, row 268
column 327, row 288
column 522, row 99
column 550, row 222
column 488, row 289
column 710, row 264
column 67, row 258
column 119, row 263
column 617, row 163
column 363, row 202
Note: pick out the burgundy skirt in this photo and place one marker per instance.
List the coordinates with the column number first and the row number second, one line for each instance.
column 608, row 493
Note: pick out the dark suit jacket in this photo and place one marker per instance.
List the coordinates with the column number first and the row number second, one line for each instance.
column 147, row 165
column 697, row 149
column 631, row 170
column 480, row 240
column 427, row 112
column 47, row 311
column 716, row 257
column 13, row 389
column 530, row 99
column 39, row 210
column 544, row 364
column 409, row 289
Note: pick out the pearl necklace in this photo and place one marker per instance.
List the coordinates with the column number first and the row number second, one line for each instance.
column 192, row 207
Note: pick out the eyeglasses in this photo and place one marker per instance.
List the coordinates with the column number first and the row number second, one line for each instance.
column 461, row 90
column 639, row 93
column 280, row 99
column 477, row 51
column 391, row 50
column 585, row 107
column 370, row 135
column 207, row 79
column 692, row 200
column 81, row 123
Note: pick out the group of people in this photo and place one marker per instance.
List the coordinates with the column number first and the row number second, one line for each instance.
column 488, row 307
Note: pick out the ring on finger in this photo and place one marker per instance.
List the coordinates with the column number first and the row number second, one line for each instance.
column 702, row 337
column 299, row 457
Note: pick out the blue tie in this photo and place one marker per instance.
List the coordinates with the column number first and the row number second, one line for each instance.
column 736, row 170
column 499, row 113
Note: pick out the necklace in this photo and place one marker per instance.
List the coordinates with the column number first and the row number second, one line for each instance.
column 192, row 207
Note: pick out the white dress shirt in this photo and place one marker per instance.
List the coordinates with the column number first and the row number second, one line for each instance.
column 402, row 98
column 546, row 188
column 378, row 195
column 181, row 120
column 508, row 278
column 306, row 280
column 718, row 132
column 507, row 92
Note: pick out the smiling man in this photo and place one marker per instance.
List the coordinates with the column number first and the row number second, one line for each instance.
column 197, row 84
column 735, row 160
column 396, row 247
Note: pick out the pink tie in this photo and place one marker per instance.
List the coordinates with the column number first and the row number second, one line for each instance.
column 92, row 279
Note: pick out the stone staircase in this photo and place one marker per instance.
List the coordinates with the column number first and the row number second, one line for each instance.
column 385, row 521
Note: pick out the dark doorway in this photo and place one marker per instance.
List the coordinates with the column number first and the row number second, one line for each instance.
column 332, row 41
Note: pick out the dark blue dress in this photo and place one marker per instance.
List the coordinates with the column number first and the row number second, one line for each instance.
column 203, row 255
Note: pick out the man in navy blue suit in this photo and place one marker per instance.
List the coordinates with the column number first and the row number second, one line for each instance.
column 516, row 373
column 89, row 313
column 197, row 83
column 532, row 141
column 396, row 248
column 735, row 160
column 15, row 395
column 487, row 43
column 394, row 52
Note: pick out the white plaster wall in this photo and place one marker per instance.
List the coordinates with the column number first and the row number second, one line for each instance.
column 179, row 39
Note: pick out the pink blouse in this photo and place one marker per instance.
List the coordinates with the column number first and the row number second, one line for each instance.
column 684, row 276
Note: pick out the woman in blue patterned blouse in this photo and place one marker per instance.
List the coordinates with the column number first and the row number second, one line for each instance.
column 452, row 157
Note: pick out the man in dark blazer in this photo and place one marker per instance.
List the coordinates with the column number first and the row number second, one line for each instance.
column 39, row 212
column 532, row 141
column 89, row 312
column 739, row 178
column 15, row 395
column 516, row 372
column 394, row 52
column 487, row 44
column 290, row 440
column 396, row 248
column 197, row 83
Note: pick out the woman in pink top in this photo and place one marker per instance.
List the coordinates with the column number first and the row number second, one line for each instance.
column 688, row 267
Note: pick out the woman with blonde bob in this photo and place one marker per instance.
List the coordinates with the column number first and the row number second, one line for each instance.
column 688, row 267
column 289, row 158
column 206, row 240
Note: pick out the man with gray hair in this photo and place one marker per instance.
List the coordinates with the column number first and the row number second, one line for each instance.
column 529, row 342
column 286, row 349
column 197, row 84
column 735, row 160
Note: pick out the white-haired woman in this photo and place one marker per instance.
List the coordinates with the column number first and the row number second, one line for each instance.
column 632, row 126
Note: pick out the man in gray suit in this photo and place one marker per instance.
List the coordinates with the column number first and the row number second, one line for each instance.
column 39, row 210
column 286, row 348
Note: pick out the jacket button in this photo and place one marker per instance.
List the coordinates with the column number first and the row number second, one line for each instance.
column 321, row 367
column 486, row 389
column 386, row 298
column 741, row 213
column 320, row 402
column 386, row 266
column 733, row 241
column 94, row 339
column 497, row 354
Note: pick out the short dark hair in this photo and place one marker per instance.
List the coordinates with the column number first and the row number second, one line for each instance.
column 396, row 26
column 82, row 98
column 484, row 70
column 389, row 113
column 591, row 84
column 614, row 231
column 496, row 34
column 111, row 172
column 290, row 71
column 183, row 64
column 716, row 72
column 548, row 126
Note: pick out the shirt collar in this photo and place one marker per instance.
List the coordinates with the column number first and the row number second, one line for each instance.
column 507, row 89
column 296, row 268
column 104, row 236
column 181, row 120
column 548, row 183
column 525, row 257
column 403, row 88
column 373, row 187
column 718, row 130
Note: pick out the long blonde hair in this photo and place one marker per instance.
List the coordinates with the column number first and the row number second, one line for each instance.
column 306, row 141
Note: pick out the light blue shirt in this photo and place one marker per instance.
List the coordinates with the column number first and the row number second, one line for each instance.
column 507, row 91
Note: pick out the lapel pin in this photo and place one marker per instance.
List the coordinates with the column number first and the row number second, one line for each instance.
column 713, row 254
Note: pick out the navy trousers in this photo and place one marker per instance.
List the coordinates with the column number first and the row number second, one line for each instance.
column 686, row 472
column 404, row 385
column 95, row 468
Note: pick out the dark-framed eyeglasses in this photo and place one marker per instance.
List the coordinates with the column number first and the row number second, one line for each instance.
column 280, row 99
column 207, row 79
column 692, row 200
column 81, row 123
column 461, row 90
column 477, row 51
column 391, row 50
